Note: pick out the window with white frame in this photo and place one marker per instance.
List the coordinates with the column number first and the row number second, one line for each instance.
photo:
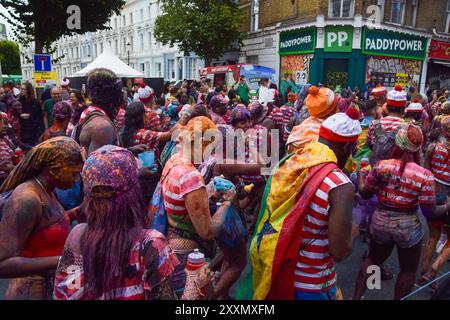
column 142, row 14
column 131, row 17
column 115, row 23
column 447, row 18
column 158, row 69
column 341, row 8
column 255, row 15
column 141, row 40
column 398, row 11
column 124, row 20
column 150, row 44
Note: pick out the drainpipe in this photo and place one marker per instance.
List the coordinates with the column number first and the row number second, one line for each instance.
column 255, row 9
column 415, row 4
column 381, row 4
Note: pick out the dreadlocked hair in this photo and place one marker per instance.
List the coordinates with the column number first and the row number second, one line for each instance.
column 52, row 153
column 105, row 90
column 134, row 121
column 107, row 242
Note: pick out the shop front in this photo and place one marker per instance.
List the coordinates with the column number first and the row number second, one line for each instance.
column 335, row 64
column 393, row 58
column 339, row 64
column 438, row 75
column 296, row 50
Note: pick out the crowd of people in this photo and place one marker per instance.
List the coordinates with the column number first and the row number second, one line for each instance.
column 118, row 193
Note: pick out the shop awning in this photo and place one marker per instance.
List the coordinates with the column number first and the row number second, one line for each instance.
column 445, row 63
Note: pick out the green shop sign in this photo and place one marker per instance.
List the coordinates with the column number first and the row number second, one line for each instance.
column 338, row 39
column 393, row 44
column 298, row 41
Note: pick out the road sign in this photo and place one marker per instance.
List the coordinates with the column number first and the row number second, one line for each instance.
column 42, row 63
column 41, row 79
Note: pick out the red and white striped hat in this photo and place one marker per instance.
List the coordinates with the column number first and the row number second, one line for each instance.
column 379, row 90
column 145, row 93
column 342, row 127
column 397, row 97
column 414, row 106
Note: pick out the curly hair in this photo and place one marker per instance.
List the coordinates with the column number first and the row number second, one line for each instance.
column 134, row 121
column 105, row 90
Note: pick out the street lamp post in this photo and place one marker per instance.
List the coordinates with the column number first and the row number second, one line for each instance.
column 128, row 46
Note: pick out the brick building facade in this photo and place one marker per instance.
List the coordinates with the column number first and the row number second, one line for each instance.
column 356, row 42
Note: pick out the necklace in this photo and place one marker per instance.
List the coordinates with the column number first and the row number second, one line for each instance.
column 42, row 186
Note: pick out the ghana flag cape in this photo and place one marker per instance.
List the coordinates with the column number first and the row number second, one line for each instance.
column 274, row 248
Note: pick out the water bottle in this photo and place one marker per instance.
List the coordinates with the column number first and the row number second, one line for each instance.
column 196, row 260
column 364, row 164
column 18, row 154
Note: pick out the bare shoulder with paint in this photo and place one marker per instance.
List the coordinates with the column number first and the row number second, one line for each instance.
column 24, row 207
column 97, row 133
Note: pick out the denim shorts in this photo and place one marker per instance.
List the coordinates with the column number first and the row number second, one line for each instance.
column 330, row 294
column 403, row 229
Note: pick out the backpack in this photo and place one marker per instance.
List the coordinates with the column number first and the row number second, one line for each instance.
column 384, row 143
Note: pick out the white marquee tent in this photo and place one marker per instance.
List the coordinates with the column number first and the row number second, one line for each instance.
column 110, row 61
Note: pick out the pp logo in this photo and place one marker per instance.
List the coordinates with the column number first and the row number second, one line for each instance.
column 374, row 280
column 74, row 20
column 74, row 281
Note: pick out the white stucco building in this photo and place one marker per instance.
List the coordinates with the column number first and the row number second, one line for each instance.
column 131, row 38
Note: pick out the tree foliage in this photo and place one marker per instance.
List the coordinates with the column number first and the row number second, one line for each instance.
column 10, row 57
column 44, row 21
column 205, row 27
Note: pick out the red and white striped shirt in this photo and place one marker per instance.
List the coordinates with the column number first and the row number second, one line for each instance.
column 440, row 164
column 388, row 124
column 181, row 178
column 315, row 271
column 153, row 120
column 150, row 263
column 148, row 137
column 6, row 154
column 120, row 119
column 415, row 187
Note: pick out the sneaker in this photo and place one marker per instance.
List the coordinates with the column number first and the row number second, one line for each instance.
column 427, row 278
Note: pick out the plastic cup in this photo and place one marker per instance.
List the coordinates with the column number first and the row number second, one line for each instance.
column 147, row 158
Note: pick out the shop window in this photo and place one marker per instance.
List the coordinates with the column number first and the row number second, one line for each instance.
column 341, row 8
column 397, row 11
column 252, row 60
